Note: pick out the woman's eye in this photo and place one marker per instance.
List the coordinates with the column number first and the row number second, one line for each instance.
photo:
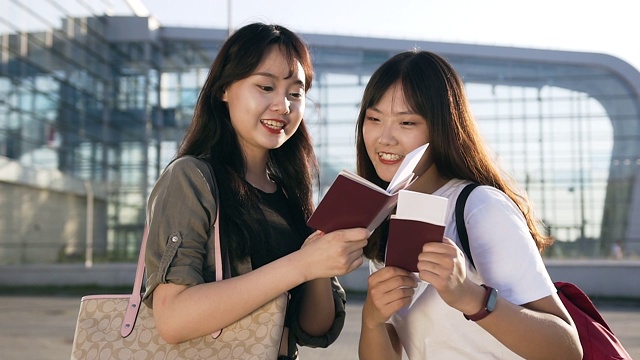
column 407, row 123
column 371, row 118
column 296, row 95
column 265, row 87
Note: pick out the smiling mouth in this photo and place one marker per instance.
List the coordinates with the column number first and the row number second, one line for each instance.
column 389, row 157
column 273, row 124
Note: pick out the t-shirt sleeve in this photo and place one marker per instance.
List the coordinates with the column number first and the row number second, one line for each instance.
column 180, row 213
column 505, row 255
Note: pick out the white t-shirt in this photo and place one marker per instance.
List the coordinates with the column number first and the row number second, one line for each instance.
column 506, row 258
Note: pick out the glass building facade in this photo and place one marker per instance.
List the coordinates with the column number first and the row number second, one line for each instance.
column 103, row 101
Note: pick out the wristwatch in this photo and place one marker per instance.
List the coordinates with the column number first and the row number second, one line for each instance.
column 490, row 299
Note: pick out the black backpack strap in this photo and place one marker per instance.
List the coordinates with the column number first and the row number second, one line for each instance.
column 462, row 229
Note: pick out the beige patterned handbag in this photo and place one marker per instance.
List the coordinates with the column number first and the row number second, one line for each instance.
column 122, row 327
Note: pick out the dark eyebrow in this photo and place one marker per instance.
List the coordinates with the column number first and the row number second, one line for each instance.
column 274, row 77
column 408, row 112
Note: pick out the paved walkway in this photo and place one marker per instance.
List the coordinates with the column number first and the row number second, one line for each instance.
column 41, row 328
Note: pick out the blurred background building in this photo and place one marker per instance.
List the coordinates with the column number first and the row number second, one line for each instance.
column 93, row 106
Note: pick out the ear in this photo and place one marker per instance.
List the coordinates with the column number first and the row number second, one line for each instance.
column 224, row 96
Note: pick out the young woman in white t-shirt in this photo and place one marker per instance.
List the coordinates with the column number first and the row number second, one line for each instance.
column 504, row 307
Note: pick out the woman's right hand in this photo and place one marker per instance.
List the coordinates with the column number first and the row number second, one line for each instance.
column 389, row 290
column 334, row 254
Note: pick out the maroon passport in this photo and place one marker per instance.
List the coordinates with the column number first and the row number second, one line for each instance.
column 405, row 241
column 352, row 202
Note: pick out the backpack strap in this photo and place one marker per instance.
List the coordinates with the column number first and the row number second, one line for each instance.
column 462, row 229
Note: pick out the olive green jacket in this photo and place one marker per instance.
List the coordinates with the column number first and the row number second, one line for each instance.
column 181, row 213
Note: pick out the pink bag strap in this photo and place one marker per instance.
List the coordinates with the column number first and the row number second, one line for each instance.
column 131, row 314
column 135, row 299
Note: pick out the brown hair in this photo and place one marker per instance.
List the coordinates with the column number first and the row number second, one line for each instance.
column 211, row 135
column 433, row 89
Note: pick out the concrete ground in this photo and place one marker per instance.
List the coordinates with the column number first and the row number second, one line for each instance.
column 41, row 327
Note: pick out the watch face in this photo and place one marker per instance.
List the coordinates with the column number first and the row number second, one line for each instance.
column 493, row 299
column 490, row 300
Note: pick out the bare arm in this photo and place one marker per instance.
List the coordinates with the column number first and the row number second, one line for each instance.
column 183, row 313
column 317, row 309
column 524, row 328
column 380, row 342
column 539, row 330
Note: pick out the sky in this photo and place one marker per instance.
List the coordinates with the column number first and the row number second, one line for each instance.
column 611, row 27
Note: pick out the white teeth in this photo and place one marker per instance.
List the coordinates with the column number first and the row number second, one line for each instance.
column 389, row 157
column 272, row 124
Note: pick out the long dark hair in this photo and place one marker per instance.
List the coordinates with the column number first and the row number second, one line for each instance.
column 433, row 89
column 211, row 135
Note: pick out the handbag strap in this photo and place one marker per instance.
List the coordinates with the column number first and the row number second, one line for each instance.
column 460, row 226
column 216, row 226
column 135, row 299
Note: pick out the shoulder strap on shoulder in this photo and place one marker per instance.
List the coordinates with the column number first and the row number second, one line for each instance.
column 220, row 272
column 462, row 229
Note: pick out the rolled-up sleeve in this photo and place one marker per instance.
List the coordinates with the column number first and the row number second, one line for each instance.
column 339, row 300
column 180, row 211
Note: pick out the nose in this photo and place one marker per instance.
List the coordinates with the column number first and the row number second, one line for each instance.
column 387, row 136
column 281, row 105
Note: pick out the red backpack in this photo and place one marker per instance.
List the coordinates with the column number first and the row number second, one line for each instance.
column 597, row 339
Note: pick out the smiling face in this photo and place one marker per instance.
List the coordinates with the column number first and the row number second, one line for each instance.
column 390, row 131
column 266, row 108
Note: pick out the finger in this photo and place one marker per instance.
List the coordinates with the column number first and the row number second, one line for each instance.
column 448, row 248
column 315, row 235
column 393, row 297
column 356, row 245
column 355, row 234
column 388, row 272
column 393, row 283
column 356, row 263
column 446, row 240
column 357, row 256
column 392, row 301
column 356, row 253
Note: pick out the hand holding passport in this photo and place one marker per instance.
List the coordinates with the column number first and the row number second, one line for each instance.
column 353, row 201
column 419, row 218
